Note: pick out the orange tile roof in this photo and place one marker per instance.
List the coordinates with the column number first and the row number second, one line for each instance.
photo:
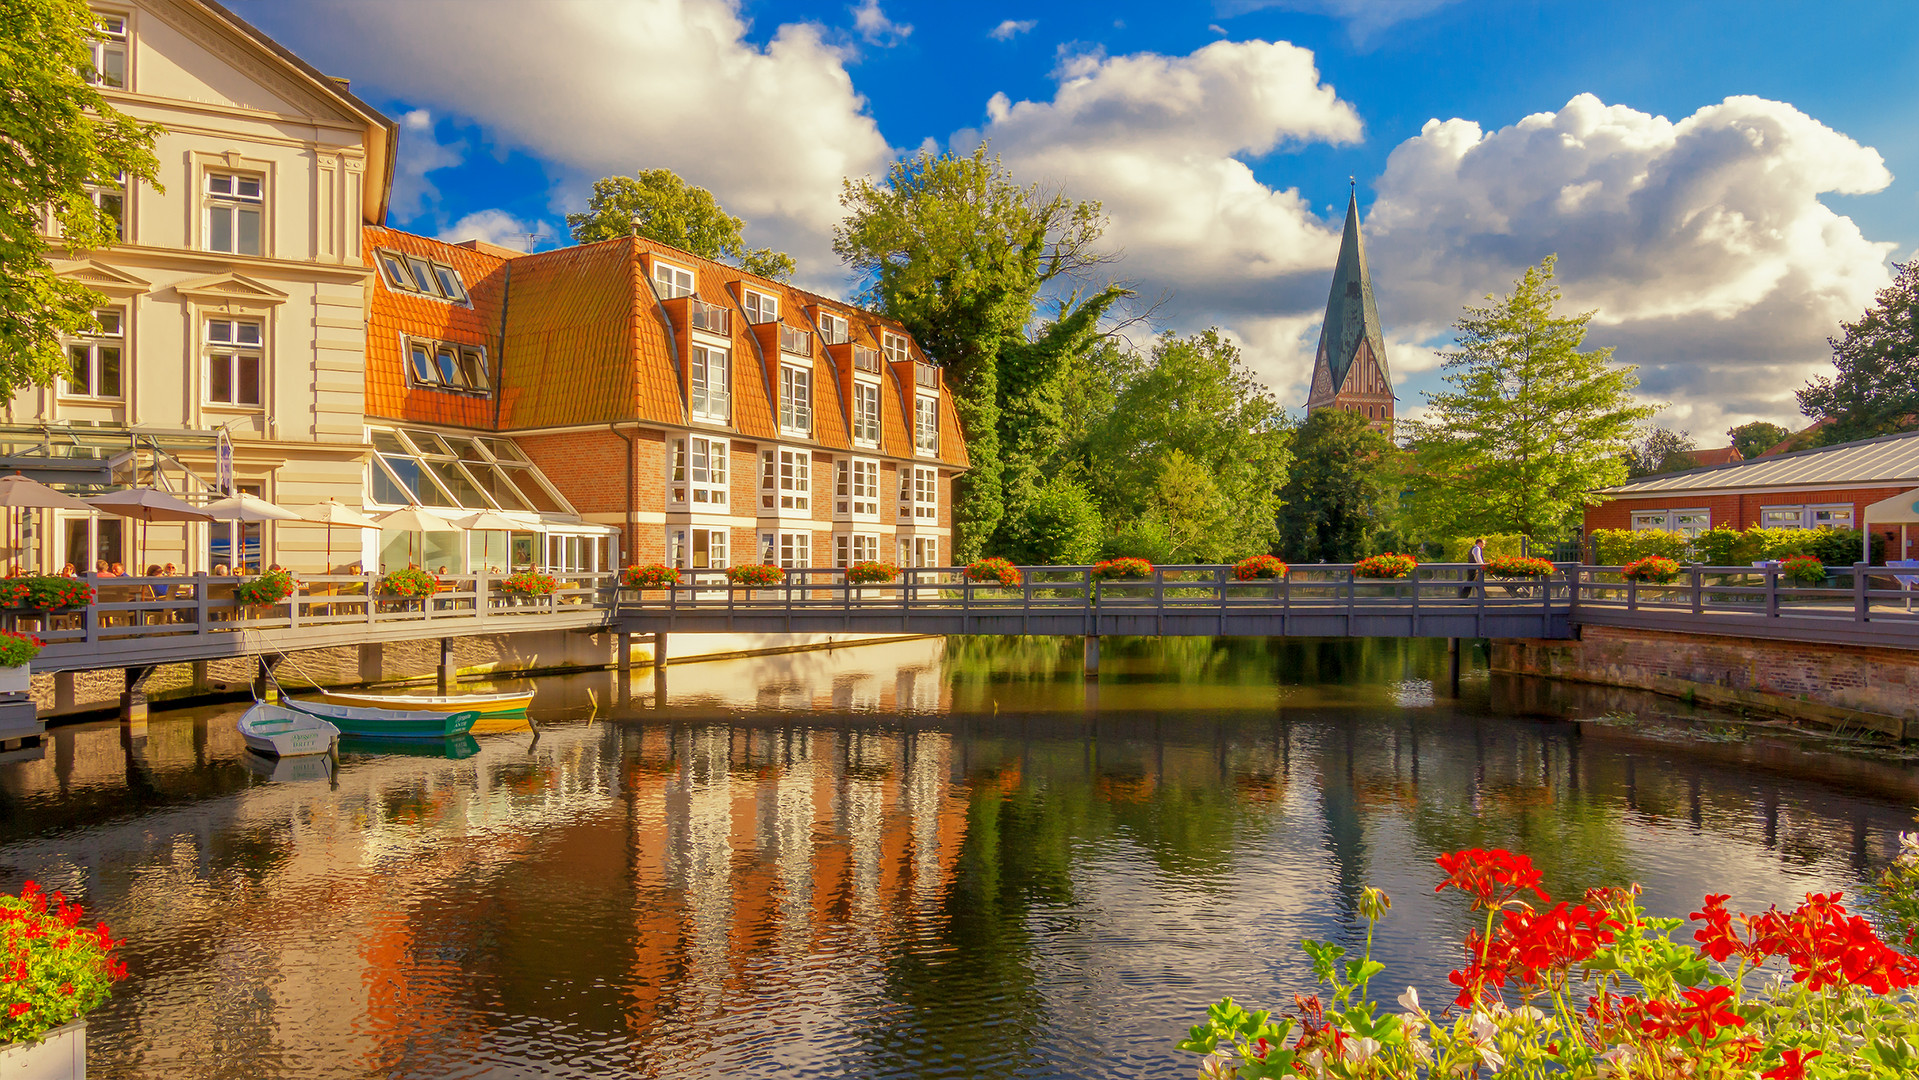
column 392, row 315
column 575, row 352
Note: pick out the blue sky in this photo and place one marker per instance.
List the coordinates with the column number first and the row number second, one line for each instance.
column 1723, row 182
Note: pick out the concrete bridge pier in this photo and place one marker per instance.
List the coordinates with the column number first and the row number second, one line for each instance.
column 659, row 651
column 265, row 687
column 133, row 702
column 623, row 654
column 1092, row 656
column 449, row 668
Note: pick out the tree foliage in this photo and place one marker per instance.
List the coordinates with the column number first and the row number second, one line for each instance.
column 657, row 204
column 1529, row 424
column 1341, row 490
column 1754, row 439
column 959, row 253
column 1875, row 389
column 1059, row 525
column 57, row 134
column 1662, row 450
column 1189, row 460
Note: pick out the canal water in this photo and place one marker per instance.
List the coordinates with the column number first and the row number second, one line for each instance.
column 921, row 859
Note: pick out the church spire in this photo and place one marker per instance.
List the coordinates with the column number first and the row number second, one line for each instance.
column 1349, row 367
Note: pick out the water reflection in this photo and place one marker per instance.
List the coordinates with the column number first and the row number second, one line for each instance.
column 906, row 860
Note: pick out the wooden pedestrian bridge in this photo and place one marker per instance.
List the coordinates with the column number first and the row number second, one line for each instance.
column 141, row 622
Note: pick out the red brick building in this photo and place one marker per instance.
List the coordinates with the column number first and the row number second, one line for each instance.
column 626, row 391
column 1807, row 489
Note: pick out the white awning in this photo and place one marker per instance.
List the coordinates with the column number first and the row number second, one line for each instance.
column 1898, row 510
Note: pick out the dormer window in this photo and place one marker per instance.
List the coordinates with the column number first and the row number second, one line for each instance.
column 422, row 277
column 894, row 346
column 672, row 281
column 832, row 328
column 760, row 308
column 926, row 424
column 441, row 365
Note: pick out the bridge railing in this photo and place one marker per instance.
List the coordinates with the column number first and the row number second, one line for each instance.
column 128, row 609
column 1857, row 594
column 1053, row 588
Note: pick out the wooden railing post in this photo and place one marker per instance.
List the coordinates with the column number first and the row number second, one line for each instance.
column 1861, row 598
column 90, row 618
column 1415, row 627
column 1772, row 591
column 1632, row 594
column 1698, row 597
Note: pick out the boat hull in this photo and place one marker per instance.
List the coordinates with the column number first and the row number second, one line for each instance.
column 280, row 732
column 389, row 723
column 489, row 706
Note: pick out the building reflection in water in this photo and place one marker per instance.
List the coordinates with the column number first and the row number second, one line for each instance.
column 901, row 860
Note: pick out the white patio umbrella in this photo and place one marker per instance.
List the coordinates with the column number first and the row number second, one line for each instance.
column 414, row 519
column 19, row 492
column 242, row 506
column 488, row 522
column 334, row 512
column 146, row 506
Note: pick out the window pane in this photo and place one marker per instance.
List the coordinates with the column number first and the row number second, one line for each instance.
column 219, row 330
column 504, row 450
column 385, row 488
column 429, row 443
column 457, row 482
column 248, row 333
column 422, row 365
column 423, row 276
column 449, row 368
column 249, row 231
column 113, row 66
column 109, row 320
column 112, row 205
column 473, row 366
column 387, row 443
column 449, row 282
column 395, row 273
column 219, row 183
column 534, row 492
column 220, row 377
column 249, row 379
column 494, row 482
column 80, row 360
column 247, row 187
column 220, row 229
column 109, row 371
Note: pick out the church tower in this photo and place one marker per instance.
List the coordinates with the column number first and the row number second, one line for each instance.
column 1349, row 370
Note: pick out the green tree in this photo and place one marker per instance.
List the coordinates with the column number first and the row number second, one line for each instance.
column 959, row 253
column 1060, row 525
column 1529, row 424
column 1192, row 454
column 1340, row 491
column 1754, row 439
column 657, row 204
column 1875, row 389
column 57, row 134
column 1662, row 450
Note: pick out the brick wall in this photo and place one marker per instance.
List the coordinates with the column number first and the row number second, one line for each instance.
column 1839, row 685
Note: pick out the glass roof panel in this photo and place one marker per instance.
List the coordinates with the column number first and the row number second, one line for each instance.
column 461, row 486
column 388, row 443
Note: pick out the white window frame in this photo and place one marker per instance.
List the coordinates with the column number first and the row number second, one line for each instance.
column 833, row 328
column 850, row 548
column 926, row 425
column 113, row 40
column 450, row 366
column 233, row 352
column 786, row 480
column 1782, row 517
column 1691, row 522
column 672, row 281
column 710, row 544
column 102, row 193
column 88, row 348
column 1831, row 516
column 926, row 494
column 796, row 400
column 919, row 551
column 697, row 472
column 866, row 412
column 856, row 488
column 233, row 205
column 894, row 347
column 710, row 399
column 793, row 549
column 1646, row 520
column 759, row 307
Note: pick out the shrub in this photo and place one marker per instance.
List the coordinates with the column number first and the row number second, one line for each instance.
column 55, row 970
column 530, row 583
column 650, row 576
column 1385, row 566
column 1597, row 988
column 1804, row 569
column 1455, row 550
column 44, row 592
column 1656, row 569
column 1614, row 547
column 269, row 588
column 1060, row 526
column 17, row 649
column 411, row 583
column 1720, row 546
column 1145, row 537
column 871, row 573
column 1840, row 547
column 994, row 570
column 1124, row 568
column 1260, row 567
column 759, row 574
column 1518, row 566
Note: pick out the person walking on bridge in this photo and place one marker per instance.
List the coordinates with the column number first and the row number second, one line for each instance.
column 1476, row 557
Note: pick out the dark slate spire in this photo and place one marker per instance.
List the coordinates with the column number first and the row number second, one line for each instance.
column 1351, row 314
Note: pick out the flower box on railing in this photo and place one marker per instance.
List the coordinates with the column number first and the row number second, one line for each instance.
column 44, row 592
column 871, row 573
column 1261, row 568
column 994, row 570
column 411, row 583
column 269, row 588
column 1387, row 567
column 758, row 575
column 1651, row 570
column 529, row 583
column 650, row 576
column 1518, row 566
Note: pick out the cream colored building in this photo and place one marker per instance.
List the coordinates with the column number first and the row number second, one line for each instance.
column 235, row 303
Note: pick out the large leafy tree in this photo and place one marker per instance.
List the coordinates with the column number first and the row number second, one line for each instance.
column 1875, row 389
column 1754, row 439
column 657, row 204
column 1529, row 424
column 1189, row 460
column 1341, row 489
column 57, row 134
column 961, row 254
column 1662, row 450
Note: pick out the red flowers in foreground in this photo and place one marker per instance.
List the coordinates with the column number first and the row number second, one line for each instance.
column 1493, row 877
column 1825, row 945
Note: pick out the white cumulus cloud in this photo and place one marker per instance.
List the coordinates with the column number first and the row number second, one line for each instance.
column 1009, row 29
column 1702, row 244
column 421, row 152
column 599, row 87
column 499, row 227
column 1363, row 18
column 875, row 27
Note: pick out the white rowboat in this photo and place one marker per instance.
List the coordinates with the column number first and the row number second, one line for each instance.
column 282, row 732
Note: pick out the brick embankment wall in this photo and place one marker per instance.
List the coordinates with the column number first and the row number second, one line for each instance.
column 1837, row 685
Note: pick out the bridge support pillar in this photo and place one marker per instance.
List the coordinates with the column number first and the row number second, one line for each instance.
column 1452, row 664
column 623, row 653
column 1092, row 656
column 659, row 687
column 659, row 651
column 372, row 661
column 133, row 702
column 264, row 686
column 66, row 695
column 449, row 670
